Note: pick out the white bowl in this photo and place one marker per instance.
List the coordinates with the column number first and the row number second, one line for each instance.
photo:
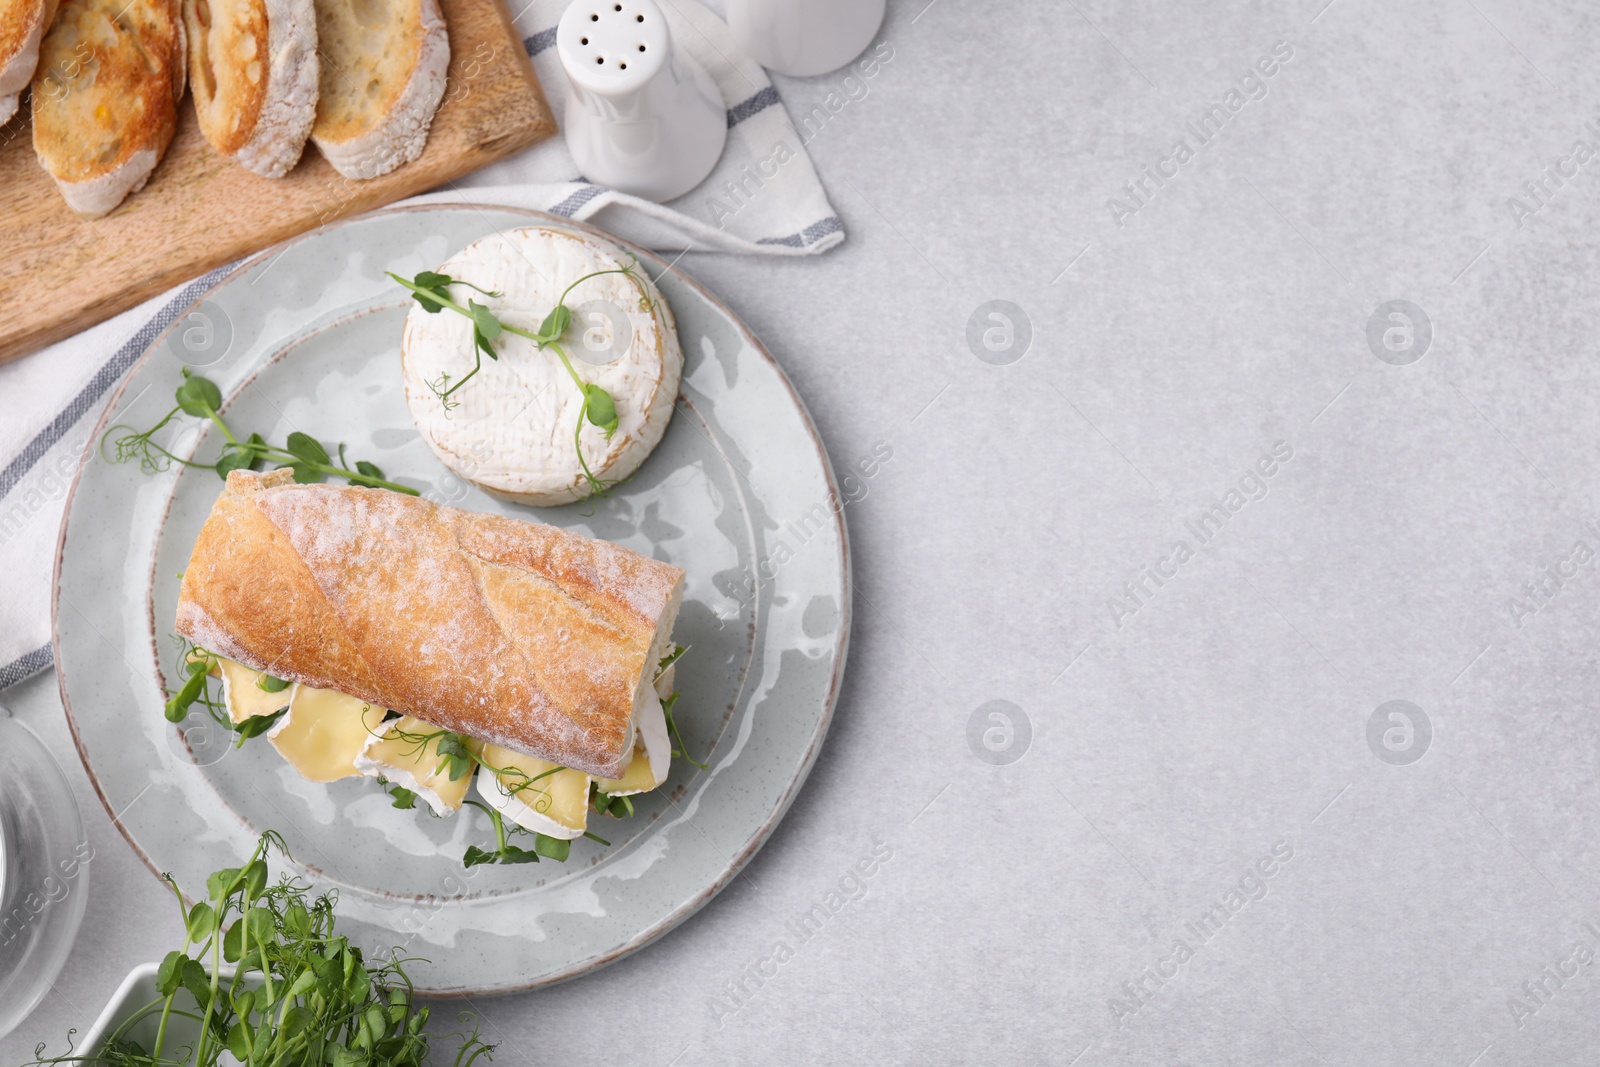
column 137, row 991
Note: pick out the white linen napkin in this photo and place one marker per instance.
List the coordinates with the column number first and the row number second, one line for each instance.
column 762, row 198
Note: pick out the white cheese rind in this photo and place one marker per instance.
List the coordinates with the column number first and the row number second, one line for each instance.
column 511, row 431
column 652, row 726
column 512, row 807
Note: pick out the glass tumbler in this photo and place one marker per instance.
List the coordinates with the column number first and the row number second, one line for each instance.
column 44, row 871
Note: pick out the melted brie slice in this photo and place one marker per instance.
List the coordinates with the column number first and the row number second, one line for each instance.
column 242, row 694
column 415, row 765
column 323, row 733
column 556, row 805
column 652, row 752
column 638, row 778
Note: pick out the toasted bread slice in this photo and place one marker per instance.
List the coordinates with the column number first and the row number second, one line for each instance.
column 383, row 75
column 105, row 97
column 253, row 72
column 22, row 27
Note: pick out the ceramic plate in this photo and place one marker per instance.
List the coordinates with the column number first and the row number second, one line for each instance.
column 739, row 494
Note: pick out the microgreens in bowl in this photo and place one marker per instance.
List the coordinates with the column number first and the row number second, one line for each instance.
column 299, row 995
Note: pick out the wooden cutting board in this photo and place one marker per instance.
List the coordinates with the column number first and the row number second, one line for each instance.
column 62, row 273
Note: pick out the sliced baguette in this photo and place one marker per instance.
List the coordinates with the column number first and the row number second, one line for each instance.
column 253, row 71
column 105, row 97
column 22, row 27
column 383, row 74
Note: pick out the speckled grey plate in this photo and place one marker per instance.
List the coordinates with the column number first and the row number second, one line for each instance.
column 739, row 494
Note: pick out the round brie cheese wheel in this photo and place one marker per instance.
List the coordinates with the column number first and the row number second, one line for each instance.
column 510, row 429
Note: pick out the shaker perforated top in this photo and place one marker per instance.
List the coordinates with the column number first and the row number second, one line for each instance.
column 613, row 46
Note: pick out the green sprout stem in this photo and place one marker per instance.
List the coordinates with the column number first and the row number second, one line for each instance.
column 138, row 445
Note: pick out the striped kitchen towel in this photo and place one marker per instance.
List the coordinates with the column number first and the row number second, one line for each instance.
column 764, row 198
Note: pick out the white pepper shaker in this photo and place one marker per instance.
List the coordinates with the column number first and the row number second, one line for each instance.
column 643, row 116
column 805, row 37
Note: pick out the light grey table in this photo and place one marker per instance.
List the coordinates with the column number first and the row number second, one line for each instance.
column 1200, row 833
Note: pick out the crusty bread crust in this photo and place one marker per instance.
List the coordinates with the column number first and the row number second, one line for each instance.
column 105, row 97
column 99, row 196
column 508, row 631
column 392, row 130
column 22, row 27
column 254, row 72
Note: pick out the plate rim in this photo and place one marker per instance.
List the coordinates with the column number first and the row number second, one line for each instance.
column 763, row 832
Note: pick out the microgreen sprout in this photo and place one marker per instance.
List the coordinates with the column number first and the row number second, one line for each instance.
column 198, row 669
column 201, row 398
column 432, row 290
column 404, row 799
column 554, row 848
column 668, row 660
column 677, row 738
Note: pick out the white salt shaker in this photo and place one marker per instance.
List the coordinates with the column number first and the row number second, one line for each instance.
column 805, row 37
column 643, row 116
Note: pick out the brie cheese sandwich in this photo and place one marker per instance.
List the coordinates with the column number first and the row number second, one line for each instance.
column 420, row 642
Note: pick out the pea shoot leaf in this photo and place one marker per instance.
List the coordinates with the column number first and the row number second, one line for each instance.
column 221, row 883
column 600, row 409
column 404, row 799
column 297, row 920
column 241, row 455
column 202, row 922
column 268, row 684
column 178, row 705
column 513, row 854
column 509, row 855
column 555, row 848
column 256, row 725
column 198, row 396
column 240, row 1041
column 233, row 942
column 437, row 285
column 306, row 447
column 197, row 982
column 483, row 319
column 476, row 856
column 255, row 883
column 454, row 756
column 169, row 976
column 554, row 325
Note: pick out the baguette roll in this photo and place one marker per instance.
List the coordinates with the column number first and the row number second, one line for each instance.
column 514, row 633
